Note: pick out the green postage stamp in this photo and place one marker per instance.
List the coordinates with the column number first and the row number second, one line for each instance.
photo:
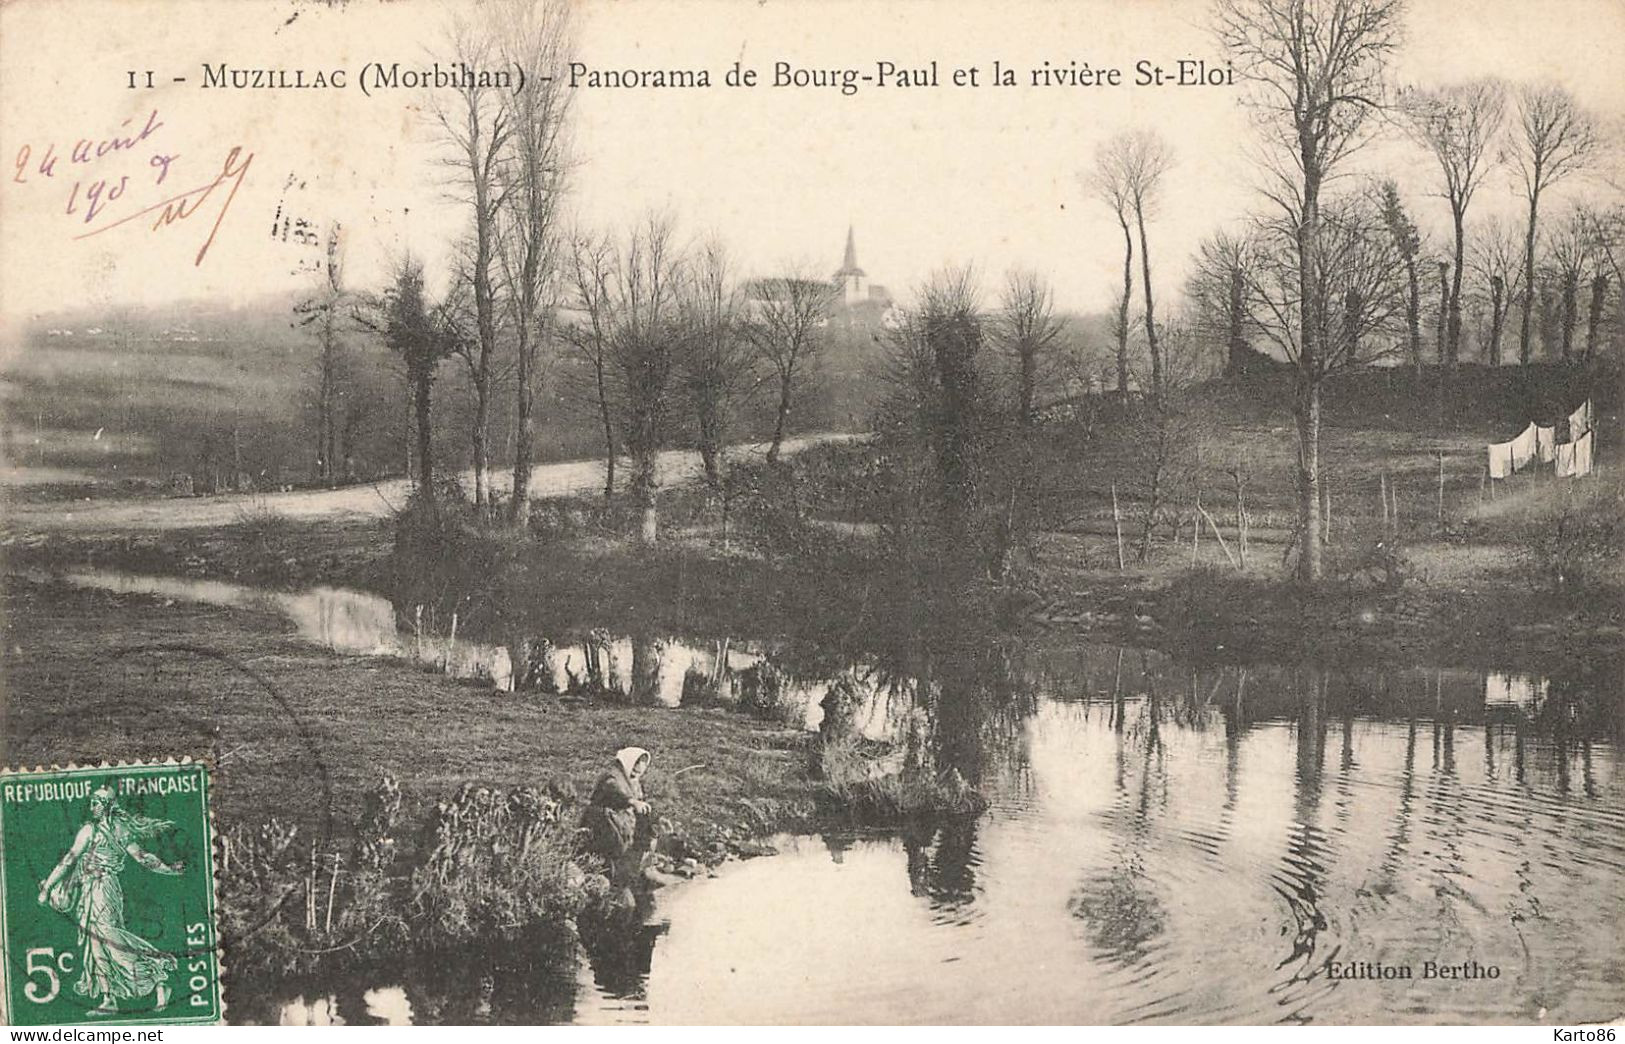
column 107, row 896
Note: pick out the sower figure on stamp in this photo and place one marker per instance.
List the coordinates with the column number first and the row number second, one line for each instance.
column 116, row 964
column 617, row 817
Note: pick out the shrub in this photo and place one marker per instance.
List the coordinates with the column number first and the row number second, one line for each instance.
column 862, row 781
column 485, row 865
column 766, row 692
column 1576, row 551
column 493, row 862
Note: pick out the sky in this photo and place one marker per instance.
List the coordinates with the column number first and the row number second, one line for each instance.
column 926, row 177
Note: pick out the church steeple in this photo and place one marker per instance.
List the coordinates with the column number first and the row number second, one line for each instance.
column 849, row 263
column 850, row 278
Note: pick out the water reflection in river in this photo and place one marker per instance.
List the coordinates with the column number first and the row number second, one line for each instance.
column 1171, row 844
column 1166, row 843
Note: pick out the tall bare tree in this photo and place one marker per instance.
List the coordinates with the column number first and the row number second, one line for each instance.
column 1553, row 138
column 645, row 345
column 1318, row 68
column 788, row 316
column 1135, row 162
column 1408, row 243
column 1497, row 263
column 716, row 357
column 325, row 311
column 1111, row 186
column 595, row 276
column 1026, row 328
column 1460, row 125
column 539, row 38
column 472, row 122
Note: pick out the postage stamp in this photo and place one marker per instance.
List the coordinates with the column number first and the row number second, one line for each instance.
column 107, row 896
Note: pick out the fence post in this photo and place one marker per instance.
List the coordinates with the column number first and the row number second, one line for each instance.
column 332, row 892
column 1117, row 521
column 1196, row 537
column 1441, row 489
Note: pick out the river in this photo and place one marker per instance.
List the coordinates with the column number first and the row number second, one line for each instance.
column 1166, row 842
column 1169, row 844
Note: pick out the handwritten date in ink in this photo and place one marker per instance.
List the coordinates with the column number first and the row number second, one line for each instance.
column 183, row 205
column 95, row 188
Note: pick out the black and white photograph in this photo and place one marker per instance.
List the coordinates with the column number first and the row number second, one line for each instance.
column 790, row 513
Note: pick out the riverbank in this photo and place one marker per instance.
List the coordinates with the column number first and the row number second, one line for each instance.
column 403, row 807
column 303, row 739
column 1484, row 593
column 1423, row 556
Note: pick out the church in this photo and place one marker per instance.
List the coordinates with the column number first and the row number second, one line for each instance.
column 856, row 304
column 860, row 303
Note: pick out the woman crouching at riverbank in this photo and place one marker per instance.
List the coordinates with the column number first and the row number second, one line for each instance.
column 617, row 818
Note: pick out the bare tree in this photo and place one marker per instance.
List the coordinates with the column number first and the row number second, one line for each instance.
column 789, row 314
column 472, row 122
column 414, row 329
column 644, row 349
column 1110, row 185
column 1441, row 315
column 1358, row 289
column 1553, row 138
column 717, row 356
column 1408, row 243
column 1497, row 263
column 1570, row 258
column 1218, row 285
column 1359, row 285
column 1133, row 163
column 1604, row 230
column 1608, row 233
column 1460, row 125
column 539, row 38
column 594, row 275
column 1026, row 328
column 325, row 311
column 1167, row 442
column 1318, row 67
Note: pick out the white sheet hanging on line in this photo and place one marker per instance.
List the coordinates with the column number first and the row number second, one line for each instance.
column 1545, row 444
column 1500, row 460
column 1574, row 459
column 1583, row 450
column 1523, row 448
column 1580, row 421
column 1565, row 459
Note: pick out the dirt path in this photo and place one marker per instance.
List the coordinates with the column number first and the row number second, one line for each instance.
column 364, row 501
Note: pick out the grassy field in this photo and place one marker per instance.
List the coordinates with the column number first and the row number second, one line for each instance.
column 306, row 732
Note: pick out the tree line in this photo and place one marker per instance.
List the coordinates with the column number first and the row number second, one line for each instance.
column 1331, row 272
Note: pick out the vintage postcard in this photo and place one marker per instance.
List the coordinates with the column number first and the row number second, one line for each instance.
column 107, row 896
column 812, row 513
